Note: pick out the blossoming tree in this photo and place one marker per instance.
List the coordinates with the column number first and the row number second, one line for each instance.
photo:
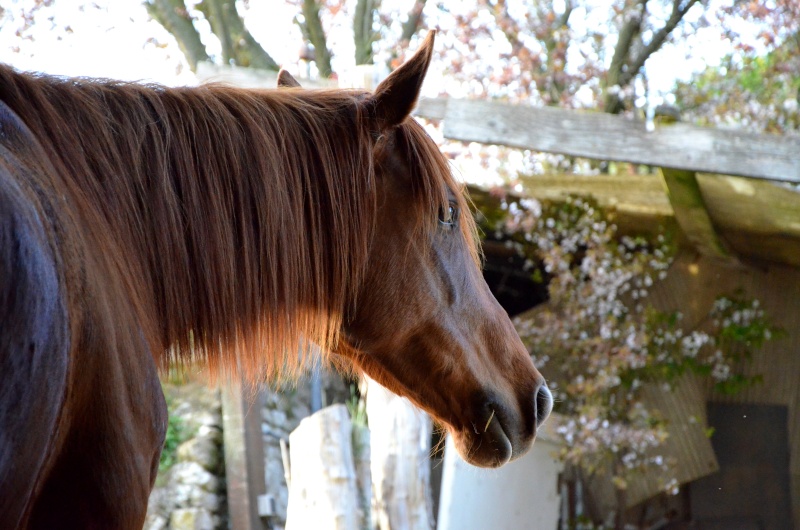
column 601, row 340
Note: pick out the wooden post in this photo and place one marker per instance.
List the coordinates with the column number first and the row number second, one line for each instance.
column 400, row 448
column 323, row 493
column 687, row 202
column 244, row 455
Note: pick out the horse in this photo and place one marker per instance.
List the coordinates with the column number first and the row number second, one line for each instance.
column 142, row 225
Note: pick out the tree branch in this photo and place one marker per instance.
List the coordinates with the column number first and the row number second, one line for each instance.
column 612, row 103
column 556, row 45
column 678, row 12
column 238, row 44
column 568, row 9
column 173, row 15
column 414, row 21
column 213, row 11
column 313, row 30
column 248, row 52
column 363, row 34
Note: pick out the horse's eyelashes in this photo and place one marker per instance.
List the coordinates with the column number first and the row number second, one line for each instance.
column 448, row 216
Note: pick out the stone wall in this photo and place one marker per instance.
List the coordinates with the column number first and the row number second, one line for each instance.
column 190, row 492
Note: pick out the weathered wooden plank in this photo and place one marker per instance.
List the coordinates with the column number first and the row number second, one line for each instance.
column 431, row 108
column 244, row 455
column 752, row 206
column 756, row 219
column 633, row 194
column 690, row 212
column 323, row 494
column 606, row 137
column 400, row 460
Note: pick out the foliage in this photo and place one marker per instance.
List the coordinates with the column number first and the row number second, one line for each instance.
column 177, row 433
column 602, row 339
column 757, row 85
column 576, row 53
column 357, row 407
column 760, row 93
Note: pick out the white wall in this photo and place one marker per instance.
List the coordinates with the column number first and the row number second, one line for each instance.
column 522, row 495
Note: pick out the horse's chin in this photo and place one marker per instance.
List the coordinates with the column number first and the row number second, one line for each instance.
column 489, row 447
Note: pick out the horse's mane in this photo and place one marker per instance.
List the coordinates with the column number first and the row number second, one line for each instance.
column 242, row 218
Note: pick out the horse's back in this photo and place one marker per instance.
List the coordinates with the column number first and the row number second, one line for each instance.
column 34, row 340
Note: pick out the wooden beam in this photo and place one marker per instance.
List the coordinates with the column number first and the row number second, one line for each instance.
column 244, row 455
column 690, row 212
column 605, row 137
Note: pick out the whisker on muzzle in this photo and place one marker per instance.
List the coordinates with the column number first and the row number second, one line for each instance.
column 486, row 428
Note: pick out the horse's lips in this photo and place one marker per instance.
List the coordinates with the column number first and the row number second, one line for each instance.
column 486, row 445
column 496, row 435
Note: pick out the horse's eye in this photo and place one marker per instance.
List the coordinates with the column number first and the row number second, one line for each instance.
column 449, row 216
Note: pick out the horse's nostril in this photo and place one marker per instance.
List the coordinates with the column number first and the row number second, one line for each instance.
column 544, row 404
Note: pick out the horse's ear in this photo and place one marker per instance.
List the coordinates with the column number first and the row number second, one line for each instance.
column 396, row 96
column 285, row 80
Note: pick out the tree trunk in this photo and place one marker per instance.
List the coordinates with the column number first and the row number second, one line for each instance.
column 414, row 21
column 312, row 28
column 323, row 493
column 363, row 34
column 173, row 15
column 400, row 440
column 239, row 47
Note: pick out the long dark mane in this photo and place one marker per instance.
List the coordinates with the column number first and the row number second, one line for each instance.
column 239, row 221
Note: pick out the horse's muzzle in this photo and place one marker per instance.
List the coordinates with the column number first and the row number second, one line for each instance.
column 499, row 431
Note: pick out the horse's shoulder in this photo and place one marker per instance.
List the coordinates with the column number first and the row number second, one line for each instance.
column 34, row 341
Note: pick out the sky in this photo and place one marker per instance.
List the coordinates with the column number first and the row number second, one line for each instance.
column 116, row 39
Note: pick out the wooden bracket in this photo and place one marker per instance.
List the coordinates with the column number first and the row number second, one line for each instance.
column 692, row 216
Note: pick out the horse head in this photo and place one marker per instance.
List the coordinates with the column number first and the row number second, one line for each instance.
column 424, row 323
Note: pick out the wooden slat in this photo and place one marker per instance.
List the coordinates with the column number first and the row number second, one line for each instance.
column 752, row 206
column 632, row 194
column 431, row 108
column 602, row 136
column 244, row 455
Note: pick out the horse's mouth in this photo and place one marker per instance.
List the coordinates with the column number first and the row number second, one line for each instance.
column 487, row 444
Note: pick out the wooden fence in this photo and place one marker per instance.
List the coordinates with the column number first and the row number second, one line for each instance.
column 607, row 137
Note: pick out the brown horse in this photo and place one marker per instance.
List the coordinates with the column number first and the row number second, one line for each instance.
column 143, row 224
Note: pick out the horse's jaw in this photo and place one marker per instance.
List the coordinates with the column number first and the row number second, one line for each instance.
column 488, row 430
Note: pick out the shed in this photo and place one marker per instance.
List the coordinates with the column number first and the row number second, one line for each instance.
column 750, row 240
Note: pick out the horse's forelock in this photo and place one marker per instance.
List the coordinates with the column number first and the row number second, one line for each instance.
column 432, row 178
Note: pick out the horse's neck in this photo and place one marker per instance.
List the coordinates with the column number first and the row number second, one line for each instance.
column 232, row 232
